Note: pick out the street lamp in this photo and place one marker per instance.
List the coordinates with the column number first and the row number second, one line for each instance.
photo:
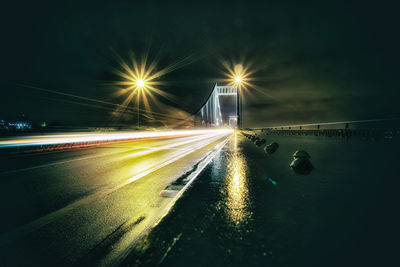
column 139, row 78
column 238, row 76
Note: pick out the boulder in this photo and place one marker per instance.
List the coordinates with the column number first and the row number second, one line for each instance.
column 301, row 166
column 301, row 154
column 259, row 142
column 271, row 148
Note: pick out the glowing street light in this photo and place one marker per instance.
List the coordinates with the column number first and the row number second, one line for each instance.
column 139, row 79
column 238, row 79
column 240, row 76
column 140, row 83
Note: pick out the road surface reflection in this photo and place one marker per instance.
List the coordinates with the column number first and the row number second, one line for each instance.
column 237, row 189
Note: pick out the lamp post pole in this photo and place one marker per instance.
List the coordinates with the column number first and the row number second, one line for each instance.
column 238, row 109
column 138, row 115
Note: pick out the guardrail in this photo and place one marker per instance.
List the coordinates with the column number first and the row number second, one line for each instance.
column 389, row 123
column 343, row 133
column 377, row 128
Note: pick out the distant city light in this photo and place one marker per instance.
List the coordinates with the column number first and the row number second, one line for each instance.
column 19, row 125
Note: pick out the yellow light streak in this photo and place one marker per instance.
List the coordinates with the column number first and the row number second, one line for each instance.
column 237, row 191
column 96, row 137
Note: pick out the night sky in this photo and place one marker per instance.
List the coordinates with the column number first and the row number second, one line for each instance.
column 315, row 61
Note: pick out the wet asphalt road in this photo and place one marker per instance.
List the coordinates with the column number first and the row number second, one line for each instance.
column 344, row 213
column 87, row 206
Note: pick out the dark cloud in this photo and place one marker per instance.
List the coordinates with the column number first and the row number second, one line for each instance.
column 315, row 61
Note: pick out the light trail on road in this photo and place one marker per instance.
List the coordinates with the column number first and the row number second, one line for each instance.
column 101, row 137
column 147, row 150
column 86, row 200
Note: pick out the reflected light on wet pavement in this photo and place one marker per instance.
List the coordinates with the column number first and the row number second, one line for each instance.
column 237, row 190
column 250, row 209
